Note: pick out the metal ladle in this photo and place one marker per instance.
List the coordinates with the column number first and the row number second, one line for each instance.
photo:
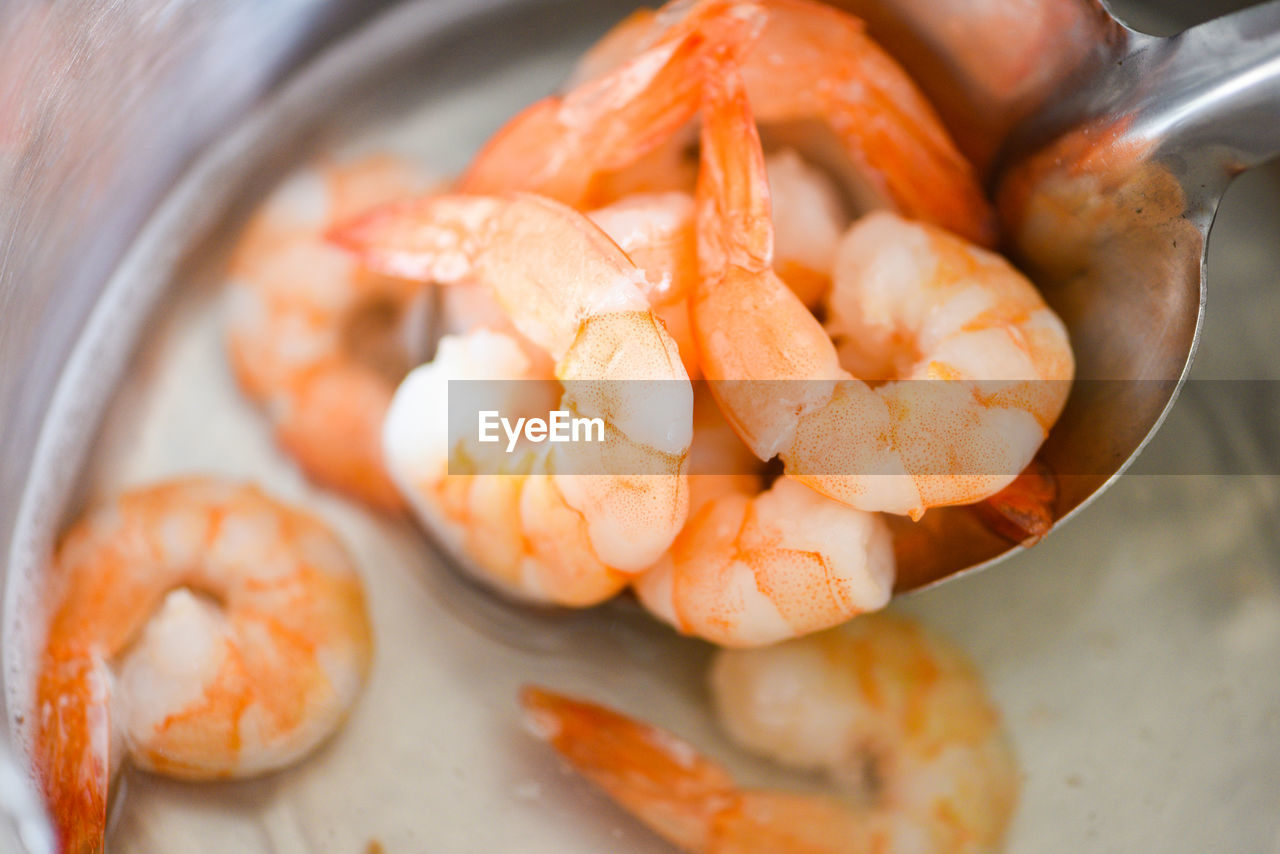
column 1108, row 151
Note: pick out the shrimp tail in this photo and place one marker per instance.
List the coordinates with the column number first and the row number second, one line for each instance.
column 427, row 239
column 682, row 795
column 773, row 334
column 658, row 778
column 611, row 121
column 73, row 745
column 1022, row 512
column 734, row 216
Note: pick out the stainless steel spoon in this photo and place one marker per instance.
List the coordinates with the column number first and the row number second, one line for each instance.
column 1108, row 151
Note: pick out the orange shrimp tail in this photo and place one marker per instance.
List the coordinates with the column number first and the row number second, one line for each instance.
column 71, row 751
column 1022, row 512
column 429, row 239
column 773, row 334
column 660, row 779
column 816, row 56
column 735, row 216
column 613, row 120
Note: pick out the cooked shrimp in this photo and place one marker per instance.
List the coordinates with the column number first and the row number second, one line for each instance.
column 529, row 524
column 815, row 62
column 562, row 145
column 753, row 568
column 899, row 720
column 312, row 336
column 909, row 302
column 894, row 715
column 200, row 628
column 657, row 230
column 815, row 76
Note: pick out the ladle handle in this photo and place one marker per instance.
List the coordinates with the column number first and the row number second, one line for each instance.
column 1212, row 93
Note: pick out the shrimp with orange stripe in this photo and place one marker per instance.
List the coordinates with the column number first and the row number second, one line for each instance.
column 816, row 79
column 568, row 147
column 896, row 719
column 756, row 565
column 203, row 630
column 538, row 523
column 947, row 368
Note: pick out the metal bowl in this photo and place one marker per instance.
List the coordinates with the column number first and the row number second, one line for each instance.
column 1131, row 652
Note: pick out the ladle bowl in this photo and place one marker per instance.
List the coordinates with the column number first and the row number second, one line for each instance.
column 1107, row 151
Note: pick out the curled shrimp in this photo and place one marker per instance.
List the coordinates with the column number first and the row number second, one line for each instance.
column 908, row 302
column 527, row 522
column 897, row 719
column 754, row 566
column 312, row 336
column 200, row 628
column 563, row 145
column 817, row 78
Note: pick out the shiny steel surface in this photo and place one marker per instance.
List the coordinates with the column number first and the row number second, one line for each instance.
column 118, row 102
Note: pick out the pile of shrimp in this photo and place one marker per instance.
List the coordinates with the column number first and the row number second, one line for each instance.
column 782, row 344
column 846, row 324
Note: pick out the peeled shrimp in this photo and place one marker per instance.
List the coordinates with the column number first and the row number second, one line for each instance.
column 526, row 521
column 910, row 302
column 657, row 231
column 897, row 719
column 561, row 146
column 754, row 566
column 312, row 336
column 202, row 629
column 815, row 77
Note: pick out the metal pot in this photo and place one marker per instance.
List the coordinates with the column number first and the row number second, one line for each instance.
column 102, row 108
